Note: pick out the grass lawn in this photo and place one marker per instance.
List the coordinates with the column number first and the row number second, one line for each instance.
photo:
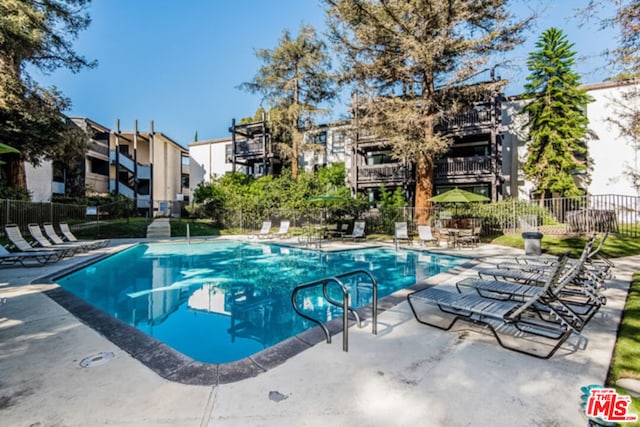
column 626, row 356
column 614, row 246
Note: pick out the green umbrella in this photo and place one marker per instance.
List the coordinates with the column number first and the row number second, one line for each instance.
column 459, row 196
column 324, row 199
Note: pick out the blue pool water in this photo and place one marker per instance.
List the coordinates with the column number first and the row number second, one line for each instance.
column 222, row 301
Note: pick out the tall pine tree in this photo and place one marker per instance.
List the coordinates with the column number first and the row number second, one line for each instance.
column 415, row 60
column 557, row 149
column 295, row 80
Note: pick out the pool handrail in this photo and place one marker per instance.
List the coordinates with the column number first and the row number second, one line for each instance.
column 324, row 282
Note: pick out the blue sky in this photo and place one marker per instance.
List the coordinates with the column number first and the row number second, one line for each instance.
column 180, row 63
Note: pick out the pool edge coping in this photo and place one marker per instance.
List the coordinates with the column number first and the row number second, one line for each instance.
column 173, row 365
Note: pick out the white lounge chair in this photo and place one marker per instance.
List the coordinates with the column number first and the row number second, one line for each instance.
column 57, row 240
column 283, row 232
column 66, row 232
column 358, row 231
column 401, row 232
column 36, row 233
column 15, row 236
column 426, row 236
column 265, row 231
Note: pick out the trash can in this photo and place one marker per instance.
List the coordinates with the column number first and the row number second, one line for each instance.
column 532, row 243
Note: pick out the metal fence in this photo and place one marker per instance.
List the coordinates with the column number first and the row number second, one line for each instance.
column 562, row 216
column 23, row 213
column 558, row 216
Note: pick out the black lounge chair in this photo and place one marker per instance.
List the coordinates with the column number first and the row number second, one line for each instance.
column 519, row 319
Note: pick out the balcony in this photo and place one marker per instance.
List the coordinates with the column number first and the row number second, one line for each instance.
column 98, row 149
column 388, row 173
column 471, row 119
column 460, row 166
column 250, row 148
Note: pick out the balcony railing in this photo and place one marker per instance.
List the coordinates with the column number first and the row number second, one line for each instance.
column 99, row 147
column 469, row 119
column 390, row 172
column 249, row 148
column 456, row 166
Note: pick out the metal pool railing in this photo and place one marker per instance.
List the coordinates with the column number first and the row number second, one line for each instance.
column 346, row 309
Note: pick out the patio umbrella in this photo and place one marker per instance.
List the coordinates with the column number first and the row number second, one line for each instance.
column 459, row 196
column 324, row 200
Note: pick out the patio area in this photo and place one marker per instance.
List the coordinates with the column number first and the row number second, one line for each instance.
column 409, row 374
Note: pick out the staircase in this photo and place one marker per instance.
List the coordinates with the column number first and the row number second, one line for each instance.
column 160, row 228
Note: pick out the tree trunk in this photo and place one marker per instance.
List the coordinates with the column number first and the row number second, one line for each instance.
column 424, row 189
column 14, row 171
column 295, row 142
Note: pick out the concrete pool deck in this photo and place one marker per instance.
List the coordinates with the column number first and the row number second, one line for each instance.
column 409, row 374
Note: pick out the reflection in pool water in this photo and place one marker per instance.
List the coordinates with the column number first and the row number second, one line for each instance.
column 222, row 301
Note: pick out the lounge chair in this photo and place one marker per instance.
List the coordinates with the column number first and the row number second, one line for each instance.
column 537, row 273
column 518, row 319
column 424, row 232
column 38, row 257
column 36, row 233
column 15, row 236
column 401, row 232
column 574, row 301
column 57, row 240
column 283, row 232
column 66, row 232
column 265, row 231
column 358, row 231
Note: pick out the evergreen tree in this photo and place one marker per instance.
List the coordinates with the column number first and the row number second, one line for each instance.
column 295, row 80
column 39, row 33
column 557, row 118
column 414, row 60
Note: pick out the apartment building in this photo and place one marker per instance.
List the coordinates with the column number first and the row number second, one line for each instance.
column 486, row 155
column 150, row 168
column 146, row 166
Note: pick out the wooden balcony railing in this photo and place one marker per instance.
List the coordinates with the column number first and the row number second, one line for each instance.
column 469, row 119
column 390, row 172
column 456, row 166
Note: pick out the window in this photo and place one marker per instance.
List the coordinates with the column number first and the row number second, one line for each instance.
column 338, row 141
column 379, row 158
column 227, row 153
column 185, row 181
column 319, row 138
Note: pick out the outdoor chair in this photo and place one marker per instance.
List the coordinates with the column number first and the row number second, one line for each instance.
column 401, row 233
column 357, row 232
column 469, row 237
column 38, row 257
column 574, row 301
column 15, row 236
column 424, row 232
column 57, row 240
column 66, row 232
column 36, row 233
column 504, row 318
column 536, row 273
column 283, row 232
column 265, row 231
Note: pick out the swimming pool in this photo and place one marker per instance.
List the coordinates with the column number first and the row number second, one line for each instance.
column 218, row 302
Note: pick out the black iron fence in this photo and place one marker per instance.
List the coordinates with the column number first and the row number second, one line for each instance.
column 562, row 216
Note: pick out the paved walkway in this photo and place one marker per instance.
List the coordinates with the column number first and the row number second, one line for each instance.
column 407, row 375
